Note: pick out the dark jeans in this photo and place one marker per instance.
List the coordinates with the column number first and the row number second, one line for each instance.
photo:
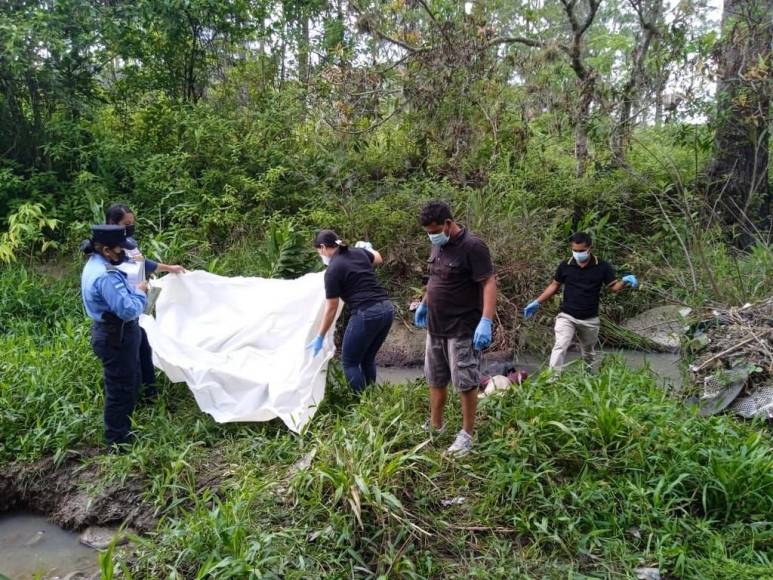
column 366, row 332
column 118, row 347
column 146, row 364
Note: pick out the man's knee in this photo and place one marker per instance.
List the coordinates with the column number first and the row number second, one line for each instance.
column 563, row 340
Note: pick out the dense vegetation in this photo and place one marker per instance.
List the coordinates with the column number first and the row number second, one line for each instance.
column 237, row 128
column 222, row 122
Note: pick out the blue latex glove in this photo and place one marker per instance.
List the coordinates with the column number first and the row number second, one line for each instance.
column 420, row 318
column 482, row 336
column 531, row 309
column 316, row 345
column 631, row 281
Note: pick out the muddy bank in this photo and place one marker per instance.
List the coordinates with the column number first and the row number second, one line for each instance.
column 404, row 346
column 73, row 494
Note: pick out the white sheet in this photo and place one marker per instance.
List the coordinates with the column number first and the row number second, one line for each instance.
column 240, row 344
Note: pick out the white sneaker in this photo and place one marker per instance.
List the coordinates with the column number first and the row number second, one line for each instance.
column 461, row 446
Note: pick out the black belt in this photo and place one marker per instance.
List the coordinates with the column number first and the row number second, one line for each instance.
column 115, row 327
column 362, row 307
column 112, row 324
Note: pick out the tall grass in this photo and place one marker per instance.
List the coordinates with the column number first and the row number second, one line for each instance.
column 588, row 475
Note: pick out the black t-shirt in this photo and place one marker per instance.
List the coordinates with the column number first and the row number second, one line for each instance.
column 582, row 286
column 351, row 278
column 454, row 290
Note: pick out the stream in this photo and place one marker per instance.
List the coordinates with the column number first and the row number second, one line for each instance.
column 33, row 547
column 664, row 365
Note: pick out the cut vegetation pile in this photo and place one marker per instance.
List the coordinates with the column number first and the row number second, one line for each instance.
column 733, row 366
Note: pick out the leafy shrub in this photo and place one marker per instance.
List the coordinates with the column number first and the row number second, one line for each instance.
column 26, row 234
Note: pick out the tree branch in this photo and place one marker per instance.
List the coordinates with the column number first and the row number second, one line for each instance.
column 384, row 36
column 593, row 6
column 516, row 40
column 435, row 21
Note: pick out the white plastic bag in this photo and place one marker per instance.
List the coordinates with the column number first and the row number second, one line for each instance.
column 240, row 344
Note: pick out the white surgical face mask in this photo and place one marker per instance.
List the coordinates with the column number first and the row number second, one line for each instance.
column 440, row 239
column 581, row 256
column 325, row 259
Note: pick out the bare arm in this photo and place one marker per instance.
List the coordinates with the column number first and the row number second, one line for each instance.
column 377, row 259
column 331, row 307
column 173, row 268
column 549, row 292
column 489, row 297
column 616, row 286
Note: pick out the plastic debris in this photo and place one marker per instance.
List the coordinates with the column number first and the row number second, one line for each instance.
column 455, row 501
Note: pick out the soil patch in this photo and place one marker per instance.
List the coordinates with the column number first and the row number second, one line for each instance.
column 404, row 346
column 72, row 494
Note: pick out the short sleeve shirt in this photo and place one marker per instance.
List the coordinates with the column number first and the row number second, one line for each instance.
column 582, row 286
column 455, row 290
column 351, row 278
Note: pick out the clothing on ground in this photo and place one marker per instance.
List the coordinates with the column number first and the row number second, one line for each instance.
column 582, row 286
column 454, row 292
column 351, row 278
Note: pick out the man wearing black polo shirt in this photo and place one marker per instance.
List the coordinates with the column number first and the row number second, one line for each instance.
column 582, row 276
column 457, row 310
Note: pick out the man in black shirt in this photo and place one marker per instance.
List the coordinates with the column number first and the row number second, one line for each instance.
column 582, row 276
column 458, row 310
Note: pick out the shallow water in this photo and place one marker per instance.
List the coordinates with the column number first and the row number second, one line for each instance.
column 33, row 547
column 664, row 365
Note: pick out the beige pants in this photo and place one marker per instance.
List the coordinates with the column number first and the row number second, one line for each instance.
column 587, row 332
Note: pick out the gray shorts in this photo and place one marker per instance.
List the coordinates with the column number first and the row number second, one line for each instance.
column 451, row 360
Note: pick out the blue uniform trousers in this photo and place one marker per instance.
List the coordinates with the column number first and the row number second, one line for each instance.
column 146, row 364
column 118, row 347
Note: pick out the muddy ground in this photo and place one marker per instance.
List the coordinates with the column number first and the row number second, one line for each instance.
column 74, row 495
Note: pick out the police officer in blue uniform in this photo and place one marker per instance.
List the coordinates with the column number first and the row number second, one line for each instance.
column 120, row 214
column 114, row 306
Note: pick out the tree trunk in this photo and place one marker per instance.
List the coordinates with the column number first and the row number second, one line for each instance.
column 586, row 78
column 303, row 51
column 660, row 87
column 581, row 124
column 649, row 14
column 738, row 172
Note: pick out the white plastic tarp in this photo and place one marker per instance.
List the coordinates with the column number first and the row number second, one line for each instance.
column 240, row 344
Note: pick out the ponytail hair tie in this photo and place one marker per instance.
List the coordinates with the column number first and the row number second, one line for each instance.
column 87, row 247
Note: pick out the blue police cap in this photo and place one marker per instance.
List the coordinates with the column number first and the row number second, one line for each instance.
column 111, row 236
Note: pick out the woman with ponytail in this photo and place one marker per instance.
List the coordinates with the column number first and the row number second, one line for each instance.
column 350, row 277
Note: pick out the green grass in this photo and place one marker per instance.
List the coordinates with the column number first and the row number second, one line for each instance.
column 589, row 476
column 586, row 476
